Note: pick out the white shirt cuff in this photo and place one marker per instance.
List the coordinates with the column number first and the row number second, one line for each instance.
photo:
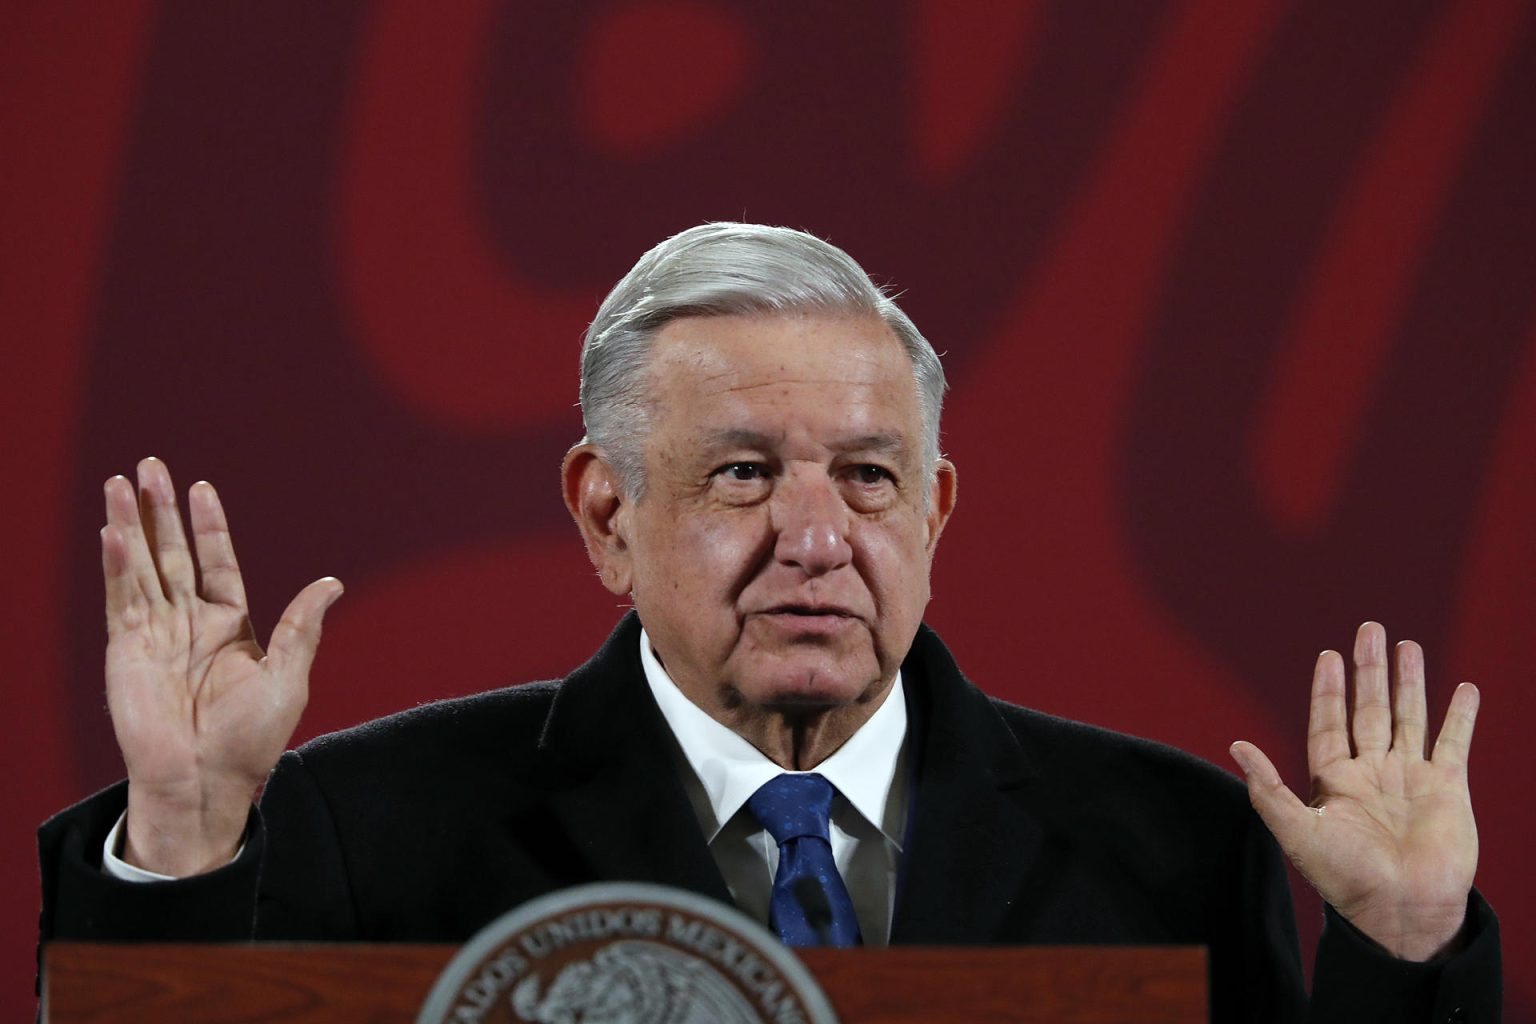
column 116, row 867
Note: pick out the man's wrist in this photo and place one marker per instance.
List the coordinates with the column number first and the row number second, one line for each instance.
column 114, row 866
column 112, row 862
column 1415, row 938
column 187, row 834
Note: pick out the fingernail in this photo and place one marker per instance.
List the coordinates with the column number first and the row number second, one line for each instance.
column 1237, row 755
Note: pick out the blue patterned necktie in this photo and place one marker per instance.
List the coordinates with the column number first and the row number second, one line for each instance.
column 794, row 810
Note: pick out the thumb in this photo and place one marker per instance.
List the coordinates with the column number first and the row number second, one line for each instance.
column 1283, row 814
column 297, row 634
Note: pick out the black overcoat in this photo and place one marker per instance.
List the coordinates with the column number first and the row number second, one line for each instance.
column 1024, row 828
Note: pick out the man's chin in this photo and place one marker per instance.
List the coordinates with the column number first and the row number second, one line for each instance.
column 807, row 689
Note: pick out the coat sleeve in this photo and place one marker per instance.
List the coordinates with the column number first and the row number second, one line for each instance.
column 1355, row 980
column 83, row 904
column 294, row 889
column 1255, row 966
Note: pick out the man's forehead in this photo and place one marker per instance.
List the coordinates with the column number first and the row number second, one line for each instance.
column 843, row 382
column 890, row 442
column 772, row 351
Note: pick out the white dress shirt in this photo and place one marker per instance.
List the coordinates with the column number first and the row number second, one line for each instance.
column 721, row 770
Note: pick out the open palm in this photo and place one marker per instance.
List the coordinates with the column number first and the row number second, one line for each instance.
column 201, row 712
column 1388, row 837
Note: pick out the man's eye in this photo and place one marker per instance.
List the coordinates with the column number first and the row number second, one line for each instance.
column 871, row 475
column 743, row 471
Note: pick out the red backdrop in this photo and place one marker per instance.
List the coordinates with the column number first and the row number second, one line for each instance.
column 1236, row 299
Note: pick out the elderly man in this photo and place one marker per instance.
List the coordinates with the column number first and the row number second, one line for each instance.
column 761, row 477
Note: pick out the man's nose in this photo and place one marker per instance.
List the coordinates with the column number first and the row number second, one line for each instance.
column 811, row 523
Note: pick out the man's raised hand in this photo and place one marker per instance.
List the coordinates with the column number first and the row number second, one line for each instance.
column 201, row 712
column 1388, row 838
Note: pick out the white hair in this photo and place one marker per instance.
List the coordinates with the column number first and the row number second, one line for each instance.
column 725, row 269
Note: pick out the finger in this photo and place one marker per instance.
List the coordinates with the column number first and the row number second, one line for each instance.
column 297, row 635
column 125, row 601
column 1455, row 742
column 1328, row 720
column 1373, row 713
column 162, row 527
column 222, row 582
column 1409, row 714
column 123, row 520
column 1283, row 813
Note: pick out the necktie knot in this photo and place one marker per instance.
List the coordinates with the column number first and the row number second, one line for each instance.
column 793, row 807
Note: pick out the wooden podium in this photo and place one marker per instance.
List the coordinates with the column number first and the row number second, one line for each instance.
column 386, row 984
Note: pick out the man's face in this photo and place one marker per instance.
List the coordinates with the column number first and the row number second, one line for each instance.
column 779, row 558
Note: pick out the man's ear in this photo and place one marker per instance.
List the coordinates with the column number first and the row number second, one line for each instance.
column 942, row 495
column 597, row 503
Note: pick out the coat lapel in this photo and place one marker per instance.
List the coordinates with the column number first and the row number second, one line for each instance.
column 606, row 762
column 971, row 842
column 606, row 758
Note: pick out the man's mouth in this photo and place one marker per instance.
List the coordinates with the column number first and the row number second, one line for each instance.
column 808, row 621
column 810, row 611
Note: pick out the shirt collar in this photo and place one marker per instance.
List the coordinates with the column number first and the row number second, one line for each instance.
column 730, row 769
